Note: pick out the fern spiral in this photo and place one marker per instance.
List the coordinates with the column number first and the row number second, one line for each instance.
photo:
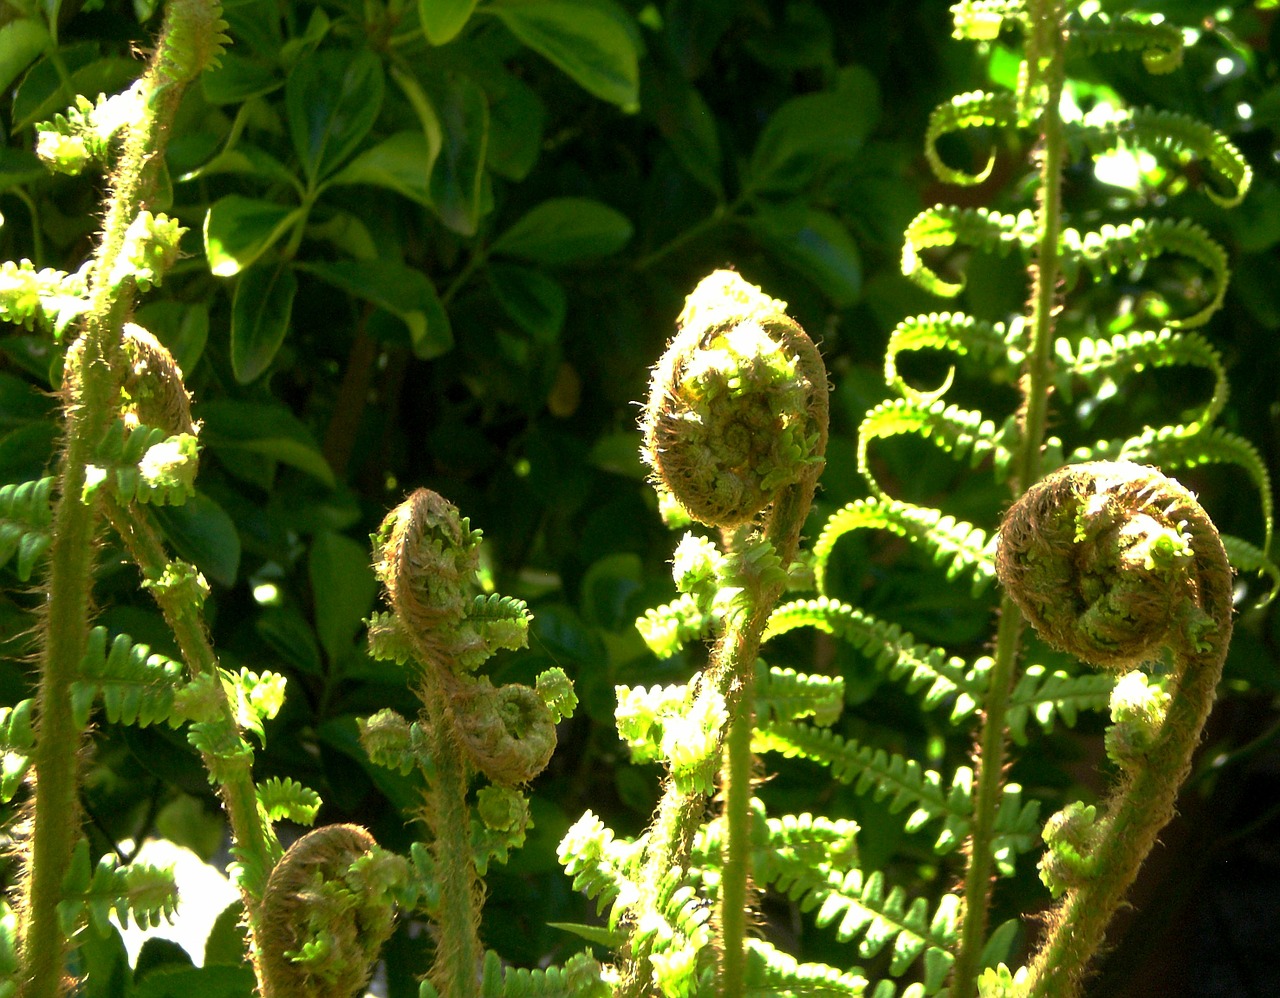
column 737, row 404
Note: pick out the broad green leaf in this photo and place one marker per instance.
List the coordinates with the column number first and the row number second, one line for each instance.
column 247, row 159
column 443, row 19
column 565, row 229
column 18, row 166
column 260, row 316
column 399, row 163
column 266, row 429
column 202, row 533
column 213, row 981
column 331, row 99
column 813, row 131
column 592, row 42
column 516, row 120
column 20, row 42
column 237, row 78
column 403, row 291
column 290, row 636
column 238, row 230
column 534, row 301
column 457, row 176
column 817, row 245
column 688, row 125
column 343, row 587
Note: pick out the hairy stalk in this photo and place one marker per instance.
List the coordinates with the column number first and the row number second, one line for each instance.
column 735, row 429
column 75, row 522
column 178, row 592
column 1045, row 59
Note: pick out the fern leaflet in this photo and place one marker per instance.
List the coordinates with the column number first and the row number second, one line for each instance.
column 994, row 345
column 25, row 518
column 136, row 685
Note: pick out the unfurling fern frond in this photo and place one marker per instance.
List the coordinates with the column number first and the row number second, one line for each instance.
column 787, row 695
column 146, row 894
column 52, row 298
column 771, row 973
column 287, row 799
column 960, row 432
column 668, row 628
column 981, row 20
column 25, row 516
column 1161, row 44
column 892, row 649
column 1171, row 447
column 144, row 464
column 580, row 977
column 1111, row 360
column 944, row 226
column 971, row 110
column 1178, row 135
column 992, row 344
column 17, row 739
column 1046, row 696
column 136, row 686
column 961, row 547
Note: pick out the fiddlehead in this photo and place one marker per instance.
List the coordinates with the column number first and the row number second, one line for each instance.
column 1115, row 563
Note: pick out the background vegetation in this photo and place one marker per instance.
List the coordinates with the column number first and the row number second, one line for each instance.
column 354, row 325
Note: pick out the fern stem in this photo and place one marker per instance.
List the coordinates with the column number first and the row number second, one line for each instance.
column 251, row 830
column 75, row 522
column 1046, row 62
column 736, row 873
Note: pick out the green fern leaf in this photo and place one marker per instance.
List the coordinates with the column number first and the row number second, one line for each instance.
column 1102, row 361
column 958, row 431
column 52, row 298
column 1046, row 696
column 17, row 739
column 944, row 226
column 1161, row 44
column 580, row 977
column 599, row 864
column 891, row 648
column 787, row 695
column 963, row 548
column 144, row 464
column 136, row 686
column 146, row 894
column 1177, row 136
column 288, row 800
column 772, row 973
column 972, row 110
column 1246, row 558
column 25, row 518
column 981, row 20
column 667, row 629
column 993, row 345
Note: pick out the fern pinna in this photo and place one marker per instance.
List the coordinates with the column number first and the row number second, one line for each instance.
column 1095, row 319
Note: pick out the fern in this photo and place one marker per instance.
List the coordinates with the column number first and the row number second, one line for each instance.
column 580, row 977
column 144, row 464
column 1161, row 44
column 969, row 110
column 25, row 518
column 146, row 894
column 1046, row 696
column 786, row 695
column 136, row 686
column 17, row 739
column 771, row 972
column 287, row 799
column 992, row 344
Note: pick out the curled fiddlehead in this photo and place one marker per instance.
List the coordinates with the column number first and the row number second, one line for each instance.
column 737, row 404
column 1120, row 566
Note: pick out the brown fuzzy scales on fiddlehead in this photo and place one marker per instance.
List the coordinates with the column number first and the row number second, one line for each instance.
column 328, row 909
column 1107, row 560
column 737, row 404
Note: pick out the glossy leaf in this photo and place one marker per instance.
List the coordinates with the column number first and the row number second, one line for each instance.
column 20, row 41
column 332, row 98
column 443, row 19
column 534, row 301
column 457, row 175
column 565, row 229
column 260, row 316
column 238, row 230
column 266, row 429
column 594, row 43
column 343, row 587
column 201, row 532
column 400, row 290
column 399, row 163
column 817, row 245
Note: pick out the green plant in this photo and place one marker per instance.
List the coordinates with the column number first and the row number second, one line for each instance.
column 352, row 199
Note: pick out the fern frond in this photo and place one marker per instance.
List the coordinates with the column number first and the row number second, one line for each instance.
column 601, row 866
column 146, row 894
column 971, row 110
column 963, row 548
column 668, row 628
column 1245, row 557
column 805, row 839
column 981, row 20
column 1102, row 360
column 1113, row 248
column 771, row 973
column 136, row 685
column 995, row 346
column 1161, row 44
column 25, row 517
column 1047, row 696
column 144, row 464
column 959, row 432
column 580, row 977
column 787, row 695
column 52, row 298
column 890, row 648
column 503, row 621
column 1170, row 448
column 1177, row 135
column 288, row 800
column 17, row 739
column 678, row 926
column 943, row 226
